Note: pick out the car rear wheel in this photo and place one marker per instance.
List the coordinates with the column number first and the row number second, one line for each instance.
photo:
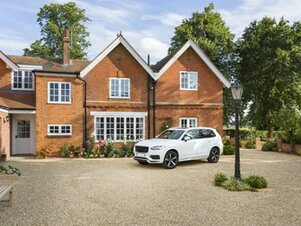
column 170, row 160
column 214, row 155
column 143, row 162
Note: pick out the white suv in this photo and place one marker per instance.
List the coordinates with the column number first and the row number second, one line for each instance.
column 180, row 144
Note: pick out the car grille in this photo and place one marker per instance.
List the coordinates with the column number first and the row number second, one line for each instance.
column 141, row 149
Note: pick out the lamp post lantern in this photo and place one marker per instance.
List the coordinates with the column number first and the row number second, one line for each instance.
column 237, row 91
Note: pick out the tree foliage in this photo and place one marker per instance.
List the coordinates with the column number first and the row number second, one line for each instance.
column 53, row 18
column 208, row 30
column 270, row 68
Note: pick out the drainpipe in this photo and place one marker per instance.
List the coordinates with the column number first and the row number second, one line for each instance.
column 154, row 108
column 85, row 111
column 148, row 101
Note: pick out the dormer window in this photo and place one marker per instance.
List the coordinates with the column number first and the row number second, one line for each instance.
column 22, row 80
column 188, row 80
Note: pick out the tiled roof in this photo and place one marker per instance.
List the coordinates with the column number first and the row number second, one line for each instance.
column 17, row 99
column 52, row 65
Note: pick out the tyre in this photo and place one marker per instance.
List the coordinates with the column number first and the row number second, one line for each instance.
column 170, row 160
column 214, row 155
column 143, row 162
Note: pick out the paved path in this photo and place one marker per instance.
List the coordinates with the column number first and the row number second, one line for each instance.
column 122, row 192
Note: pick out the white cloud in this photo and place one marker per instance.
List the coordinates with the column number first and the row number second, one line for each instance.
column 169, row 19
column 247, row 11
column 154, row 47
column 12, row 46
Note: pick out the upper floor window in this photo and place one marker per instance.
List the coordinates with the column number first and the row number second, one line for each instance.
column 22, row 80
column 59, row 92
column 188, row 80
column 119, row 87
column 188, row 122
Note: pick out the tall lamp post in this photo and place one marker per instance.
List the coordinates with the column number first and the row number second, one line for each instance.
column 237, row 91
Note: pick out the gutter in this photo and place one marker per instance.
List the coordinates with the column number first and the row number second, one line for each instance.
column 85, row 108
column 154, row 108
column 148, row 101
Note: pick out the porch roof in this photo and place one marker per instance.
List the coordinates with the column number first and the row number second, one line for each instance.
column 17, row 100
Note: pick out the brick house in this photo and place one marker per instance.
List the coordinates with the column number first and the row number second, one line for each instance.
column 117, row 95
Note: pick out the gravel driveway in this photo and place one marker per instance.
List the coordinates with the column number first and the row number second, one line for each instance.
column 122, row 192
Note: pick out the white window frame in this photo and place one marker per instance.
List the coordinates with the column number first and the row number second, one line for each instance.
column 23, row 80
column 60, row 94
column 60, row 130
column 119, row 88
column 197, row 80
column 115, row 115
column 188, row 121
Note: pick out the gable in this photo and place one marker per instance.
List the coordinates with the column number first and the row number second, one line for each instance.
column 8, row 61
column 119, row 40
column 170, row 60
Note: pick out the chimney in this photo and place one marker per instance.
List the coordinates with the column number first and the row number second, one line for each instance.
column 66, row 47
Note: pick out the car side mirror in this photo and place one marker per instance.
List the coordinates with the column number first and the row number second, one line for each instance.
column 187, row 138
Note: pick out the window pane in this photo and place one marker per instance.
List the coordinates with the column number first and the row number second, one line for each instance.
column 99, row 128
column 184, row 80
column 124, row 88
column 23, row 129
column 65, row 92
column 17, row 80
column 119, row 128
column 130, row 128
column 192, row 123
column 192, row 80
column 139, row 128
column 114, row 87
column 110, row 128
column 184, row 123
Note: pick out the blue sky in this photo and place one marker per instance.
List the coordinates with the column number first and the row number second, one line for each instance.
column 147, row 25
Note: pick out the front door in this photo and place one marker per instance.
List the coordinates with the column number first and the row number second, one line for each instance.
column 23, row 135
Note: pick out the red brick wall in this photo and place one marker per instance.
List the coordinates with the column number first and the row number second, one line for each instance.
column 208, row 98
column 47, row 113
column 4, row 134
column 5, row 76
column 117, row 64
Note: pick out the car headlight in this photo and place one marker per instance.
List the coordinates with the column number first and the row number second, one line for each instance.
column 159, row 147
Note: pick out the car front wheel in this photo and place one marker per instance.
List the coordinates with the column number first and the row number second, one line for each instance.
column 170, row 160
column 214, row 155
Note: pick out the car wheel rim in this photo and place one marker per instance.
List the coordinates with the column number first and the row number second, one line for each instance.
column 215, row 155
column 171, row 160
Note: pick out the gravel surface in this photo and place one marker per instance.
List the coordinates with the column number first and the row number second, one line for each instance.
column 122, row 192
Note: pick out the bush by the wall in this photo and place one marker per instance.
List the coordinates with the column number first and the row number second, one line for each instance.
column 45, row 152
column 298, row 152
column 250, row 144
column 256, row 181
column 229, row 150
column 69, row 151
column 269, row 146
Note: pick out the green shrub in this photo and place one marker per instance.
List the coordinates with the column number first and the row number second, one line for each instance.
column 109, row 149
column 128, row 148
column 64, row 151
column 227, row 142
column 11, row 170
column 250, row 144
column 229, row 150
column 219, row 178
column 119, row 153
column 255, row 181
column 75, row 150
column 45, row 152
column 298, row 152
column 269, row 146
column 234, row 185
column 89, row 146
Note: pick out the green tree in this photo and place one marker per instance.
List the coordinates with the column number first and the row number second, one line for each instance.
column 53, row 19
column 208, row 30
column 269, row 68
column 288, row 119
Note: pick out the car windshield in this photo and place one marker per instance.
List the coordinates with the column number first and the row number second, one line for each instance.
column 171, row 134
